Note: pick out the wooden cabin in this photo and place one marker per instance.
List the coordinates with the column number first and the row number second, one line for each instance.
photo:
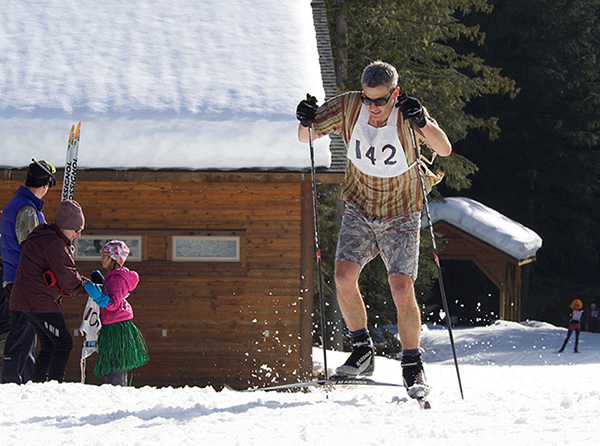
column 225, row 253
column 500, row 247
column 191, row 157
column 238, row 320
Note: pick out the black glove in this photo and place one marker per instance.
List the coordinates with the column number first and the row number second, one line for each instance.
column 307, row 110
column 411, row 108
column 97, row 277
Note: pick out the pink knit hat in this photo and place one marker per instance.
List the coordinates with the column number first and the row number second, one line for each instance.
column 116, row 250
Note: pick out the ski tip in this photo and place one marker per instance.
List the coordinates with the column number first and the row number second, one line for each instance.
column 425, row 405
column 421, row 397
column 71, row 133
column 77, row 131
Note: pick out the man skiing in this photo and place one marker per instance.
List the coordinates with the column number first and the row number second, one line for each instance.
column 20, row 216
column 384, row 200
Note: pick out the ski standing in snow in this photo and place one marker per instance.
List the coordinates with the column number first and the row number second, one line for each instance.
column 90, row 323
column 383, row 206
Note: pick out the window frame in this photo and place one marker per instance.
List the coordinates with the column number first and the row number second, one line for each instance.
column 213, row 237
column 109, row 237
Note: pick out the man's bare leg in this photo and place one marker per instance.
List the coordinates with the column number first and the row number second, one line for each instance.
column 409, row 313
column 361, row 362
column 409, row 330
column 348, row 294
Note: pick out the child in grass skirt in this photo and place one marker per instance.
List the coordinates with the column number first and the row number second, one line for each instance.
column 121, row 346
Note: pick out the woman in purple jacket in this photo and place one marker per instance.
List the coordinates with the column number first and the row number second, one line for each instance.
column 47, row 273
column 121, row 346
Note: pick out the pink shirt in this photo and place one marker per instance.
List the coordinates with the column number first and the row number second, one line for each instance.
column 117, row 285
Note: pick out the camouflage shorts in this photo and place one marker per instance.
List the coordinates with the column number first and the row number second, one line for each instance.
column 396, row 240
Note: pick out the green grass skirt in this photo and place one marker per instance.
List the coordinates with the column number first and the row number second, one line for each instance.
column 121, row 346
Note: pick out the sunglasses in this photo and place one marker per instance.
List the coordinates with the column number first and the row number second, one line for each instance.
column 377, row 102
column 79, row 231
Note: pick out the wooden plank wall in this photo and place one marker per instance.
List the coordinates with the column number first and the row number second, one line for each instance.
column 457, row 245
column 510, row 296
column 500, row 268
column 205, row 323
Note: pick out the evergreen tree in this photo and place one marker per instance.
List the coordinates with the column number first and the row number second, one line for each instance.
column 416, row 38
column 543, row 170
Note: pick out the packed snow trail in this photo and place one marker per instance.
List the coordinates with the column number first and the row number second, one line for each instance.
column 518, row 391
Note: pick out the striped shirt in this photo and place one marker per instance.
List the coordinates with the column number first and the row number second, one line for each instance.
column 375, row 196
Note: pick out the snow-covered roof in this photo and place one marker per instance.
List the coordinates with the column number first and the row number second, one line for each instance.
column 205, row 84
column 487, row 225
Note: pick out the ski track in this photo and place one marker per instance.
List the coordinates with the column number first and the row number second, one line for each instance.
column 513, row 395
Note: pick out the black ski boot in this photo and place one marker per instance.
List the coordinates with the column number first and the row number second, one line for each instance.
column 413, row 376
column 361, row 361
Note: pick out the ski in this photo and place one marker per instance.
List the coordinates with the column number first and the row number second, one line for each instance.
column 90, row 323
column 423, row 402
column 329, row 382
column 71, row 163
column 338, row 381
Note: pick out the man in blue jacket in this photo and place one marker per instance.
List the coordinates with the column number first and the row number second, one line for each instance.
column 20, row 216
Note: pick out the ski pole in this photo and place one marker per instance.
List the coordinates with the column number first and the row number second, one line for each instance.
column 435, row 256
column 318, row 248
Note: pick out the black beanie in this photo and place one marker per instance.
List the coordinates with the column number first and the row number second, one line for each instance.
column 38, row 176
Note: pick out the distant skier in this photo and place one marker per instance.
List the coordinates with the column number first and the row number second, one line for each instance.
column 593, row 321
column 574, row 324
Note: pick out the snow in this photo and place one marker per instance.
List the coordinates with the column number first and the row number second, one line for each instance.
column 214, row 84
column 517, row 390
column 158, row 84
column 488, row 225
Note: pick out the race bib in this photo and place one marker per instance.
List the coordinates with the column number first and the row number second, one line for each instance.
column 377, row 151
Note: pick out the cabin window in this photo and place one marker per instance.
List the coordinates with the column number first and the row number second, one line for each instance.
column 207, row 248
column 87, row 247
